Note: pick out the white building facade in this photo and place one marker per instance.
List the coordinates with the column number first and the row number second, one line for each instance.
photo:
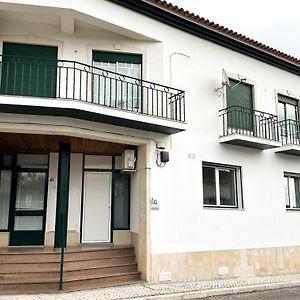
column 161, row 130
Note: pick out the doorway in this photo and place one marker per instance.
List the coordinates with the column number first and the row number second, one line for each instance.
column 96, row 215
column 23, row 191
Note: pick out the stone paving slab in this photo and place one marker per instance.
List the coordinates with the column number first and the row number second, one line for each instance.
column 172, row 290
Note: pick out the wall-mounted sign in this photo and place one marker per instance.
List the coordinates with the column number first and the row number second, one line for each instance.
column 154, row 204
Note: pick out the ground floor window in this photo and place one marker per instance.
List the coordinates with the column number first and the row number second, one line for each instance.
column 121, row 201
column 221, row 186
column 292, row 190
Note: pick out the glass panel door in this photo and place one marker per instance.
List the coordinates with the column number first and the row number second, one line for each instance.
column 288, row 115
column 29, row 212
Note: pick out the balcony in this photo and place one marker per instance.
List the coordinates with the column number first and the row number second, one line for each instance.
column 248, row 128
column 290, row 137
column 77, row 90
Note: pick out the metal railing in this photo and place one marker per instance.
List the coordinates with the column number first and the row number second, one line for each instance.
column 290, row 132
column 66, row 79
column 244, row 121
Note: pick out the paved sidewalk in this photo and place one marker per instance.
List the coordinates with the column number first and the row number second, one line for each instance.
column 173, row 291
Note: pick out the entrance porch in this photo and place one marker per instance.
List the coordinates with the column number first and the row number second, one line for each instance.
column 101, row 202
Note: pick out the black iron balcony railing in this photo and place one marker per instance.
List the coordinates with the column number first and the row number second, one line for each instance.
column 65, row 79
column 244, row 121
column 290, row 132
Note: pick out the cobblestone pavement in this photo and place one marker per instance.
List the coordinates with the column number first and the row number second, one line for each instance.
column 176, row 291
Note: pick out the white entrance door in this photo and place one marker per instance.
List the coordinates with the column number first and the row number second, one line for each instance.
column 96, row 218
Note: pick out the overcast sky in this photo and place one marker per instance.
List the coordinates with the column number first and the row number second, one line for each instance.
column 275, row 23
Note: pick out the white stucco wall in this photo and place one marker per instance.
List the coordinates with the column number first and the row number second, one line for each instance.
column 182, row 224
column 75, row 192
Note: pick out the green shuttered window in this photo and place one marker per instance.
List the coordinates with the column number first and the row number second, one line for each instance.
column 240, row 105
column 28, row 70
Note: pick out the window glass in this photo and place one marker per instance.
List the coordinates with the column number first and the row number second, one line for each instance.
column 227, row 193
column 28, row 223
column 6, row 160
column 5, row 184
column 286, row 192
column 281, row 111
column 32, row 161
column 291, row 112
column 209, row 186
column 30, row 191
column 121, row 201
column 292, row 192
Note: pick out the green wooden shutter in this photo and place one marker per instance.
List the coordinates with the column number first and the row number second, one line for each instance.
column 28, row 70
column 286, row 99
column 117, row 57
column 239, row 105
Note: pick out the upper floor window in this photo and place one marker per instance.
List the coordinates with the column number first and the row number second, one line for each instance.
column 221, row 186
column 28, row 70
column 288, row 108
column 289, row 119
column 239, row 97
column 292, row 190
column 111, row 88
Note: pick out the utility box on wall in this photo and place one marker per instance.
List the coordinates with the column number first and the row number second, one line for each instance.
column 128, row 160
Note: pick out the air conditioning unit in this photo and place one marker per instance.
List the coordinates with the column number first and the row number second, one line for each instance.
column 128, row 160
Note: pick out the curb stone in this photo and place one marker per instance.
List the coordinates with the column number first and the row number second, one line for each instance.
column 221, row 292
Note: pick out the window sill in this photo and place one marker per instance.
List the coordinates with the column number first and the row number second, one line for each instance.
column 223, row 207
column 293, row 209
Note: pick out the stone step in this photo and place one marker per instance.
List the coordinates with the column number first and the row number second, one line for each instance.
column 98, row 263
column 92, row 272
column 37, row 277
column 97, row 254
column 29, row 257
column 28, row 288
column 28, row 267
column 104, row 281
column 42, row 277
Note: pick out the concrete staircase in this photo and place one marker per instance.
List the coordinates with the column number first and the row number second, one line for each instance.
column 37, row 271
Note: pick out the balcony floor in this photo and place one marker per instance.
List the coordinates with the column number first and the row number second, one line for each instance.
column 88, row 111
column 289, row 149
column 249, row 141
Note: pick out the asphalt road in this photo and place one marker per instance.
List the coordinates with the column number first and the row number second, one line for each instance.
column 282, row 294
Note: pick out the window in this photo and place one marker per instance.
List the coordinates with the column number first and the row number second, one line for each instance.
column 239, row 105
column 289, row 117
column 112, row 89
column 288, row 108
column 28, row 70
column 292, row 190
column 121, row 201
column 221, row 186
